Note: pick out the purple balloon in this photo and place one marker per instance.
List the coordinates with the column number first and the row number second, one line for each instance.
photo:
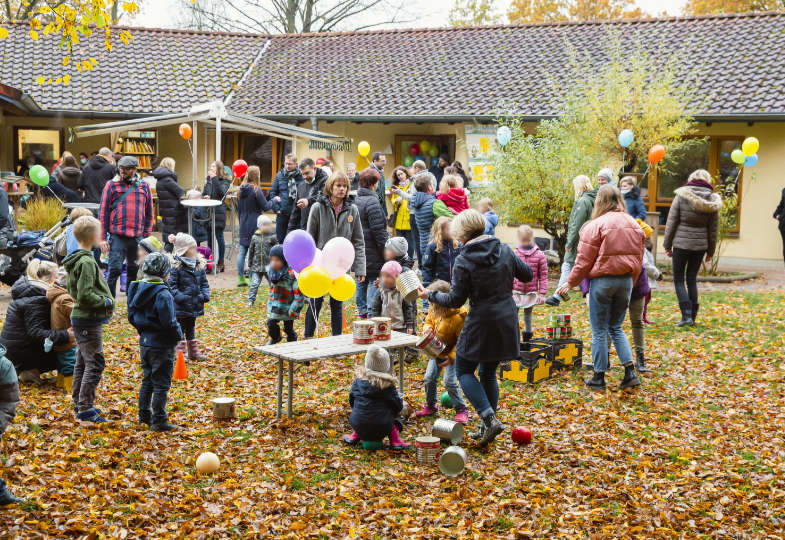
column 299, row 249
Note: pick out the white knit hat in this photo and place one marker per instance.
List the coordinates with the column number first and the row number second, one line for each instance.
column 263, row 221
column 182, row 243
column 398, row 245
column 377, row 363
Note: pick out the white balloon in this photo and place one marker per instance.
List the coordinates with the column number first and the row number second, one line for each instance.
column 337, row 256
column 317, row 258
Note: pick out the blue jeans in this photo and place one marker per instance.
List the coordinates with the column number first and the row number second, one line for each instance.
column 157, row 368
column 364, row 295
column 566, row 268
column 409, row 236
column 609, row 298
column 242, row 252
column 219, row 238
column 336, row 316
column 415, row 236
column 121, row 248
column 256, row 280
column 483, row 394
column 450, row 383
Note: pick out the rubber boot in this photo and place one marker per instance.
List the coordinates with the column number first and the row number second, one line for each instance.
column 193, row 351
column 527, row 336
column 597, row 382
column 351, row 439
column 493, row 429
column 395, row 440
column 695, row 306
column 68, row 384
column 631, row 379
column 640, row 362
column 686, row 314
column 241, row 282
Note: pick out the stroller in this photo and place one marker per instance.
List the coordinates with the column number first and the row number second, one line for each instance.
column 16, row 251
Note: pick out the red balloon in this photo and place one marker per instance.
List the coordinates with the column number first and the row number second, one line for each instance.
column 656, row 153
column 320, row 161
column 239, row 168
column 414, row 150
column 522, row 435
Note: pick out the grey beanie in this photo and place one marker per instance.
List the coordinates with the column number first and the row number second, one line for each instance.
column 128, row 162
column 608, row 173
column 377, row 362
column 398, row 245
column 156, row 265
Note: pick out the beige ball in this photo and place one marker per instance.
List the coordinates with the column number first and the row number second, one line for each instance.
column 207, row 463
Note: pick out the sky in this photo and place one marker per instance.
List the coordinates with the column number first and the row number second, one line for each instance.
column 431, row 13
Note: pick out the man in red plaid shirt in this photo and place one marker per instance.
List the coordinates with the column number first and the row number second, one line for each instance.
column 126, row 215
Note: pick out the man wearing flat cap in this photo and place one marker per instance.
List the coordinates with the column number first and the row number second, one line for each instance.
column 126, row 216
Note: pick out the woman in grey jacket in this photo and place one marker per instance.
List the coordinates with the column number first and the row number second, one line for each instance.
column 335, row 214
column 691, row 236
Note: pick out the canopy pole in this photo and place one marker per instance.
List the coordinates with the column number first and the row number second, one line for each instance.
column 194, row 153
column 218, row 138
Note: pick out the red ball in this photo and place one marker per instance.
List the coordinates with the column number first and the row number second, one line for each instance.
column 522, row 435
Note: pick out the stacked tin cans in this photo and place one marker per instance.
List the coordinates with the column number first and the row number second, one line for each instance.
column 560, row 326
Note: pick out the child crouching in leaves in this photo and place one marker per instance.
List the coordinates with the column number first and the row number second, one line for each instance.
column 447, row 324
column 285, row 301
column 388, row 301
column 375, row 402
column 188, row 283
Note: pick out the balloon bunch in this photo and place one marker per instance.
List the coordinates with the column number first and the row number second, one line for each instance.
column 320, row 271
column 748, row 154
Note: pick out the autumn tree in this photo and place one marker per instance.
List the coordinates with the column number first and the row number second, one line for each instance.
column 522, row 11
column 473, row 13
column 709, row 7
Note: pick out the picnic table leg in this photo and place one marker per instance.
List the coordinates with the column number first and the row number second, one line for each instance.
column 289, row 403
column 401, row 355
column 280, row 388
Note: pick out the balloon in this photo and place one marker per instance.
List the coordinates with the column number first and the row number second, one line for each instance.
column 317, row 258
column 337, row 256
column 738, row 156
column 414, row 149
column 503, row 135
column 239, row 168
column 750, row 146
column 424, row 146
column 314, row 281
column 408, row 161
column 363, row 148
column 299, row 249
column 343, row 288
column 434, row 162
column 185, row 131
column 751, row 161
column 39, row 175
column 626, row 137
column 656, row 153
column 421, row 158
column 320, row 161
column 433, row 151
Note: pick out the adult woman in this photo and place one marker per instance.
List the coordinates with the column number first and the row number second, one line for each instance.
column 483, row 273
column 69, row 172
column 402, row 226
column 174, row 217
column 610, row 254
column 374, row 236
column 215, row 188
column 27, row 323
column 691, row 235
column 334, row 214
column 779, row 214
column 251, row 202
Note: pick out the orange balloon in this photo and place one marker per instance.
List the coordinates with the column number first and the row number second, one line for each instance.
column 185, row 131
column 656, row 153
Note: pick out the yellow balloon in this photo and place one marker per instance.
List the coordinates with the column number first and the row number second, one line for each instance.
column 314, row 281
column 750, row 146
column 424, row 146
column 363, row 148
column 342, row 288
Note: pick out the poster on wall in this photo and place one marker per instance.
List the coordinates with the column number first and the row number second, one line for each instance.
column 479, row 144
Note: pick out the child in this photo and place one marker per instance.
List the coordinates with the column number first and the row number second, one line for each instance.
column 438, row 257
column 60, row 314
column 447, row 323
column 453, row 196
column 375, row 402
column 151, row 311
column 9, row 397
column 388, row 301
column 71, row 244
column 201, row 226
column 652, row 272
column 148, row 245
column 93, row 304
column 485, row 207
column 632, row 197
column 259, row 254
column 285, row 301
column 426, row 207
column 528, row 252
column 396, row 249
column 188, row 283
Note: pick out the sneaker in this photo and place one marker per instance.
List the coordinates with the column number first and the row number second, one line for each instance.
column 93, row 415
column 163, row 426
column 553, row 301
column 351, row 438
column 429, row 410
column 477, row 435
column 493, row 428
column 462, row 417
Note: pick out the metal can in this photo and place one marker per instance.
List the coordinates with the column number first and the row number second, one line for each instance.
column 381, row 328
column 407, row 284
column 567, row 319
column 427, row 449
column 569, row 332
column 448, row 430
column 430, row 344
column 453, row 461
column 550, row 331
column 362, row 332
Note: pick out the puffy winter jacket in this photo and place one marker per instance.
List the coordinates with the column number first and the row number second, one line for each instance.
column 323, row 225
column 483, row 273
column 438, row 264
column 188, row 283
column 580, row 214
column 374, row 410
column 95, row 175
column 374, row 230
column 491, row 222
column 390, row 303
column 61, row 307
column 448, row 328
column 174, row 216
column 151, row 311
column 634, row 203
column 280, row 188
column 251, row 202
column 312, row 192
column 93, row 302
column 216, row 188
column 455, row 199
column 69, row 177
column 9, row 391
column 611, row 245
column 539, row 266
column 693, row 220
column 259, row 250
column 426, row 209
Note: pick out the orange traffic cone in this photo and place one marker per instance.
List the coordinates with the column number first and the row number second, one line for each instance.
column 343, row 316
column 180, row 373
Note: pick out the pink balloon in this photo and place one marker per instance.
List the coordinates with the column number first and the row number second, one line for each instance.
column 337, row 256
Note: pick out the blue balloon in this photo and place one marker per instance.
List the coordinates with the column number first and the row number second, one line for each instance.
column 626, row 137
column 434, row 162
column 503, row 135
column 751, row 161
column 420, row 158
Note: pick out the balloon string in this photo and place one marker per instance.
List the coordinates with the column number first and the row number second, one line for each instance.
column 53, row 193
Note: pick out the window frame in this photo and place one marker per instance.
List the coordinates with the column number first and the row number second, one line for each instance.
column 17, row 157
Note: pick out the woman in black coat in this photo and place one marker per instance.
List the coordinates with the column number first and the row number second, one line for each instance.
column 251, row 202
column 483, row 273
column 174, row 217
column 779, row 215
column 374, row 234
column 215, row 188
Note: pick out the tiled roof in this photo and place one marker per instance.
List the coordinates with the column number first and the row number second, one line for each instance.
column 160, row 71
column 471, row 72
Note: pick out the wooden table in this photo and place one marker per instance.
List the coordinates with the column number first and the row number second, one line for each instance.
column 318, row 349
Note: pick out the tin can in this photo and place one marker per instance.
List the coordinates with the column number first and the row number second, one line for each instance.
column 569, row 332
column 453, row 461
column 567, row 319
column 407, row 284
column 549, row 330
column 381, row 328
column 223, row 408
column 430, row 344
column 448, row 430
column 427, row 449
column 362, row 332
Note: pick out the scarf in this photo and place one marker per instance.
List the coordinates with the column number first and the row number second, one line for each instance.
column 277, row 275
column 292, row 183
column 697, row 182
column 188, row 262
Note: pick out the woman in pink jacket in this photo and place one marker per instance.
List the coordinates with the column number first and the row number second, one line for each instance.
column 610, row 253
column 528, row 252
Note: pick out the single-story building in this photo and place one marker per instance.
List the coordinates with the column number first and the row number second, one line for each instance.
column 392, row 88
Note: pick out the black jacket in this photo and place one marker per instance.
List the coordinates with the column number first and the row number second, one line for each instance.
column 374, row 410
column 483, row 273
column 189, row 287
column 406, row 262
column 251, row 202
column 174, row 216
column 779, row 213
column 60, row 191
column 374, row 230
column 27, row 325
column 216, row 188
column 299, row 216
column 94, row 177
column 151, row 311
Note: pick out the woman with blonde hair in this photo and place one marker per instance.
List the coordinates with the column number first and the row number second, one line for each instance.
column 251, row 202
column 174, row 217
column 483, row 273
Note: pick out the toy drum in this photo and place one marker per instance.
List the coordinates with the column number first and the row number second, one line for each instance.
column 381, row 328
column 362, row 332
column 447, row 430
column 407, row 284
column 427, row 449
column 453, row 461
column 430, row 344
column 223, row 408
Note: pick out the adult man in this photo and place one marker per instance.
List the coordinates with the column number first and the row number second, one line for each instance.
column 314, row 179
column 284, row 194
column 378, row 162
column 98, row 171
column 438, row 170
column 126, row 215
column 353, row 176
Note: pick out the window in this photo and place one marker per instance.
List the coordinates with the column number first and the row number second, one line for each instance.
column 37, row 147
column 264, row 151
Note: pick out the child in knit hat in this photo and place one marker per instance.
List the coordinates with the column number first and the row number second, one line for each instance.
column 188, row 282
column 375, row 402
column 396, row 249
column 148, row 245
column 259, row 254
column 388, row 301
column 9, row 398
column 285, row 301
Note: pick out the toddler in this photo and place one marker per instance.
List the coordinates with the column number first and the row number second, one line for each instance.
column 528, row 252
column 388, row 301
column 9, row 397
column 652, row 272
column 447, row 323
column 485, row 207
column 60, row 319
column 396, row 249
column 189, row 286
column 259, row 254
column 148, row 245
column 453, row 196
column 285, row 301
column 438, row 257
column 375, row 402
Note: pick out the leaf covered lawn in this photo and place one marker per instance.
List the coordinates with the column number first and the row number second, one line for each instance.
column 697, row 451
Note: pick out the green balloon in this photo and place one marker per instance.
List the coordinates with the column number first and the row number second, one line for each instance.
column 433, row 151
column 408, row 161
column 738, row 156
column 39, row 175
column 446, row 401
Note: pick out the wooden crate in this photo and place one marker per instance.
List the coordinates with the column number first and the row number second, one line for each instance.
column 544, row 359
